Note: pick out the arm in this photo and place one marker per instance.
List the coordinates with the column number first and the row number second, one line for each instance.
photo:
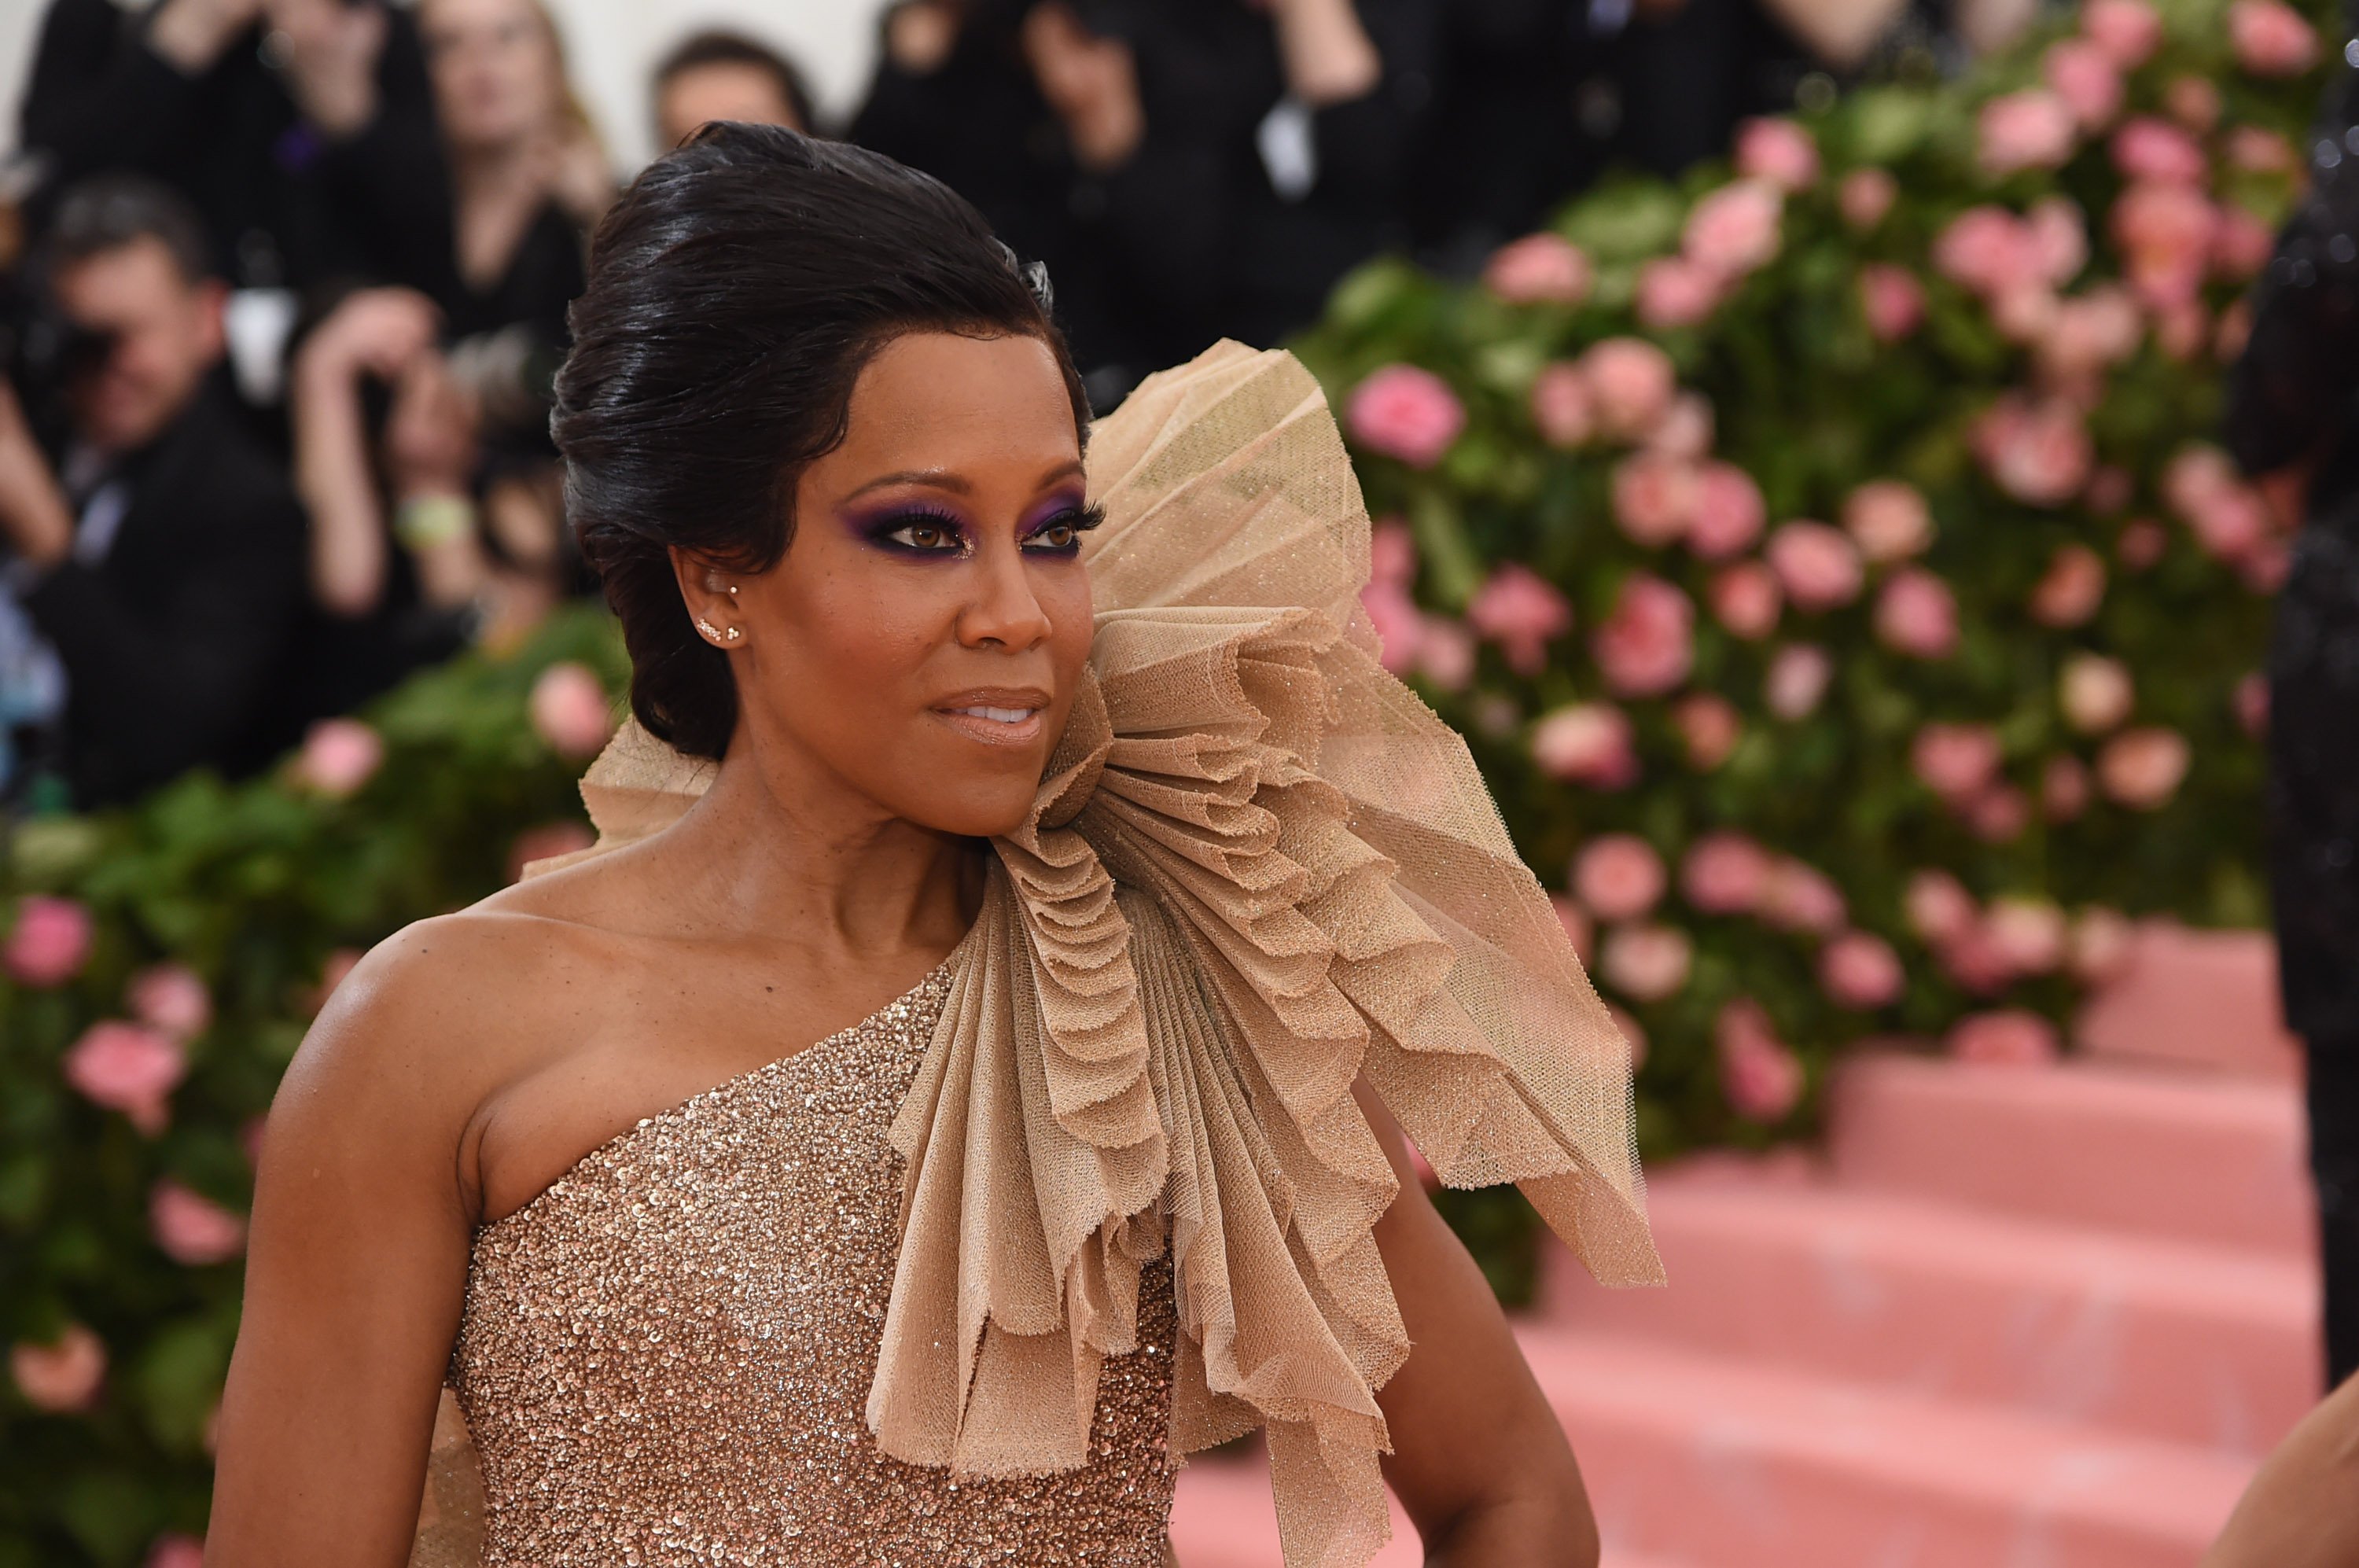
column 1328, row 55
column 354, row 1277
column 2298, row 1513
column 376, row 331
column 103, row 92
column 1479, row 1459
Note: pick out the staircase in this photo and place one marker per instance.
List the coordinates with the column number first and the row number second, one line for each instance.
column 2009, row 1317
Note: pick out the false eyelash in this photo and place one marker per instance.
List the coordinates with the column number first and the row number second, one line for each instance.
column 881, row 532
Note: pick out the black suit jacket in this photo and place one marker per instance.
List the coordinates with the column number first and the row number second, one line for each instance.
column 171, row 642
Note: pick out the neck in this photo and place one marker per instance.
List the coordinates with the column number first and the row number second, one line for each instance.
column 781, row 849
column 485, row 168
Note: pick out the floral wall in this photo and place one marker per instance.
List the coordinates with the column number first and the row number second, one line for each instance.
column 1830, row 560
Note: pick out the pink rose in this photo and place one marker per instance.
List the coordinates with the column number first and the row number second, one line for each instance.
column 2181, row 330
column 1892, row 300
column 1523, row 613
column 1971, row 960
column 2129, row 31
column 2039, row 453
column 192, row 1230
column 129, row 1068
column 1575, row 921
column 1917, row 614
column 1674, row 291
column 1618, row 876
column 1867, row 195
column 1860, row 971
column 2271, row 38
column 1709, row 728
column 547, row 842
column 1406, row 413
column 1888, row 521
column 1999, row 814
column 2150, row 149
column 2068, row 592
column 1654, row 498
column 1538, row 269
column 171, row 998
column 1817, row 565
column 2027, row 934
column 1938, row 908
column 1986, row 251
column 2094, row 693
column 2142, row 768
column 1399, row 622
column 2103, row 943
column 62, row 1377
column 1746, row 599
column 2241, row 246
column 2055, row 236
column 1777, row 152
column 2251, row 702
column 1734, row 229
column 1630, row 385
column 175, row 1552
column 2032, row 128
column 2196, row 475
column 2010, row 1037
column 49, row 944
column 338, row 756
column 1761, row 1077
column 1955, row 761
column 2025, row 315
column 1646, row 962
column 1589, row 743
column 2194, row 102
column 1685, row 429
column 2064, row 788
column 1800, row 898
column 2085, row 77
column 2165, row 233
column 2087, row 333
column 1445, row 652
column 2259, row 151
column 570, row 711
column 1726, row 874
column 1563, row 409
column 1392, row 554
column 2231, row 523
column 1796, row 680
column 1727, row 513
column 1646, row 646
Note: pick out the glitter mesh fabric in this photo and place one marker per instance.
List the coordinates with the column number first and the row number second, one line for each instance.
column 664, row 1355
column 1258, row 869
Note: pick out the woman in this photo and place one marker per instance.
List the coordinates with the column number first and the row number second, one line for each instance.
column 1125, row 931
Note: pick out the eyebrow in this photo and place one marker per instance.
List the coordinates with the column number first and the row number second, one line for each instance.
column 947, row 479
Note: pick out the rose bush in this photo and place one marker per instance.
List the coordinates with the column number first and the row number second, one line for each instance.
column 160, row 966
column 1843, row 591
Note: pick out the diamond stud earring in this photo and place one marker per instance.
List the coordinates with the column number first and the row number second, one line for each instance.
column 733, row 634
column 709, row 629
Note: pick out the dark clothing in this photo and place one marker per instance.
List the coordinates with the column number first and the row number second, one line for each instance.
column 2334, row 1100
column 283, row 205
column 169, row 642
column 545, row 275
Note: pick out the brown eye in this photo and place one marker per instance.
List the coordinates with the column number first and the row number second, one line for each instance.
column 1056, row 536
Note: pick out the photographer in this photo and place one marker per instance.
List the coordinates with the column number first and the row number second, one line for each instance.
column 160, row 559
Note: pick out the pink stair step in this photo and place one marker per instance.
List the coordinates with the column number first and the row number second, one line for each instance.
column 2203, row 998
column 1223, row 1518
column 2165, row 1340
column 2197, row 1156
column 1709, row 1460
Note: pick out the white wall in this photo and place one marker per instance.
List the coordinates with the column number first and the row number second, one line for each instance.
column 610, row 45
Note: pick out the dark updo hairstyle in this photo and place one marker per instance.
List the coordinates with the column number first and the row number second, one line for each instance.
column 735, row 292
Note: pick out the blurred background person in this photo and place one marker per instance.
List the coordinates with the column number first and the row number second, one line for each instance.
column 721, row 75
column 301, row 130
column 158, row 555
column 2289, row 416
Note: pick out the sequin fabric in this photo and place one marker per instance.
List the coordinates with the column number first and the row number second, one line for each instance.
column 665, row 1357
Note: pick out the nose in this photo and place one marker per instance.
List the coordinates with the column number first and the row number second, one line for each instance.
column 1003, row 612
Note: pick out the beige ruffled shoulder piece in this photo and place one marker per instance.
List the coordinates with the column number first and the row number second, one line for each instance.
column 1258, row 867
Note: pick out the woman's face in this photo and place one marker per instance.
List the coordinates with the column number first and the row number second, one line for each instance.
column 923, row 636
column 495, row 69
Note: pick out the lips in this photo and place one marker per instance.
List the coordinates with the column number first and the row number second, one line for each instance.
column 997, row 715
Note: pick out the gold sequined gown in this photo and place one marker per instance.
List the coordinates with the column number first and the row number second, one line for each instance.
column 666, row 1355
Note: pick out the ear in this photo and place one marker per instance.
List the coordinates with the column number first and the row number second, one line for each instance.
column 212, row 307
column 707, row 593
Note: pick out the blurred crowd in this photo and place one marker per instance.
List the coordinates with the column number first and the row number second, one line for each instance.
column 283, row 283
